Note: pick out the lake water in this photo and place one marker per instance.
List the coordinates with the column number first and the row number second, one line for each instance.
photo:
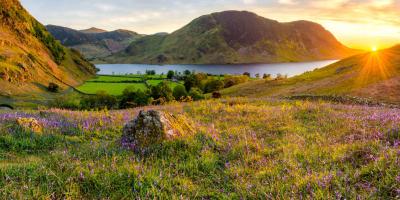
column 290, row 69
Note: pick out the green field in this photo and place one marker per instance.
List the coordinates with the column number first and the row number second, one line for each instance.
column 115, row 85
column 110, row 88
column 114, row 79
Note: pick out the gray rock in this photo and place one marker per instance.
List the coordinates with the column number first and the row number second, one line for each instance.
column 152, row 127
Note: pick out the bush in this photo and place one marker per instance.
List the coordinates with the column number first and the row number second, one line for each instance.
column 247, row 74
column 133, row 98
column 214, row 85
column 53, row 87
column 179, row 92
column 150, row 72
column 162, row 90
column 196, row 94
column 100, row 100
column 72, row 102
column 216, row 95
column 230, row 81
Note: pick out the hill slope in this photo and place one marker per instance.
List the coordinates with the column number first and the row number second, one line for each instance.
column 30, row 58
column 372, row 75
column 236, row 37
column 93, row 42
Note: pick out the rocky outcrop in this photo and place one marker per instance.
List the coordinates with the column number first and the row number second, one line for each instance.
column 151, row 128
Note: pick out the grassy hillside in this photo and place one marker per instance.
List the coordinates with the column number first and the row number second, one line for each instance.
column 94, row 43
column 30, row 58
column 372, row 75
column 241, row 149
column 236, row 37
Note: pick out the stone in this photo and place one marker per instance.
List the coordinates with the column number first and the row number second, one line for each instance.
column 153, row 127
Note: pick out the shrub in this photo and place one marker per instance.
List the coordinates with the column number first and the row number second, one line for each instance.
column 216, row 95
column 214, row 85
column 72, row 102
column 179, row 92
column 150, row 72
column 53, row 87
column 247, row 74
column 162, row 90
column 133, row 98
column 281, row 77
column 196, row 94
column 230, row 80
column 100, row 100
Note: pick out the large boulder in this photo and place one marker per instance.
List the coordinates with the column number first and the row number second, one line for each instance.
column 153, row 127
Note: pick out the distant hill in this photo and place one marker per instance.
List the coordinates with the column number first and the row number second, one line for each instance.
column 374, row 75
column 236, row 37
column 94, row 42
column 30, row 58
column 93, row 30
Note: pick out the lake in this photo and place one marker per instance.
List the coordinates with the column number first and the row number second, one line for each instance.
column 290, row 69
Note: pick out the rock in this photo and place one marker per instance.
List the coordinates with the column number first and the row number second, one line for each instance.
column 153, row 127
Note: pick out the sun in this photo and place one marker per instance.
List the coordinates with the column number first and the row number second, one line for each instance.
column 374, row 49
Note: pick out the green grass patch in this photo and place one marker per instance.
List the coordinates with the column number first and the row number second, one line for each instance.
column 110, row 88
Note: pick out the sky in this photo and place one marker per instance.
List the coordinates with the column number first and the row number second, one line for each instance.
column 362, row 24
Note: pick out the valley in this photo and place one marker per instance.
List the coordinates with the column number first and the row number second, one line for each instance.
column 232, row 105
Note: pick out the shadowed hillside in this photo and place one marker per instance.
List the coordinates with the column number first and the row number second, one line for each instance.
column 372, row 75
column 236, row 37
column 30, row 58
column 94, row 42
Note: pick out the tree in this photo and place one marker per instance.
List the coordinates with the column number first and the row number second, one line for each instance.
column 247, row 74
column 132, row 97
column 170, row 74
column 187, row 72
column 101, row 100
column 189, row 82
column 162, row 90
column 257, row 75
column 267, row 76
column 179, row 92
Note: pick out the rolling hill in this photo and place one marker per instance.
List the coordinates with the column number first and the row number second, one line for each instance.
column 236, row 37
column 30, row 58
column 94, row 42
column 373, row 75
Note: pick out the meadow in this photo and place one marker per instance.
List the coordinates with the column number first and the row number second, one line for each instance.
column 242, row 148
column 116, row 84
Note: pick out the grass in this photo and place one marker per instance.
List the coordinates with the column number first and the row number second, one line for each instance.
column 116, row 84
column 110, row 88
column 114, row 79
column 242, row 148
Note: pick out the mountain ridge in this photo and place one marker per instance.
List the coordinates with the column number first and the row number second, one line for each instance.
column 235, row 37
column 93, row 42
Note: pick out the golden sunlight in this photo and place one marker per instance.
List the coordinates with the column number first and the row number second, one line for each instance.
column 374, row 48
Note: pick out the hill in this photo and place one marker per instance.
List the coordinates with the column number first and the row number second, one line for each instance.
column 236, row 37
column 373, row 75
column 93, row 30
column 30, row 58
column 93, row 42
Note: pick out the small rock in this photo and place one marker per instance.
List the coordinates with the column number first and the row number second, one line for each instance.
column 153, row 127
